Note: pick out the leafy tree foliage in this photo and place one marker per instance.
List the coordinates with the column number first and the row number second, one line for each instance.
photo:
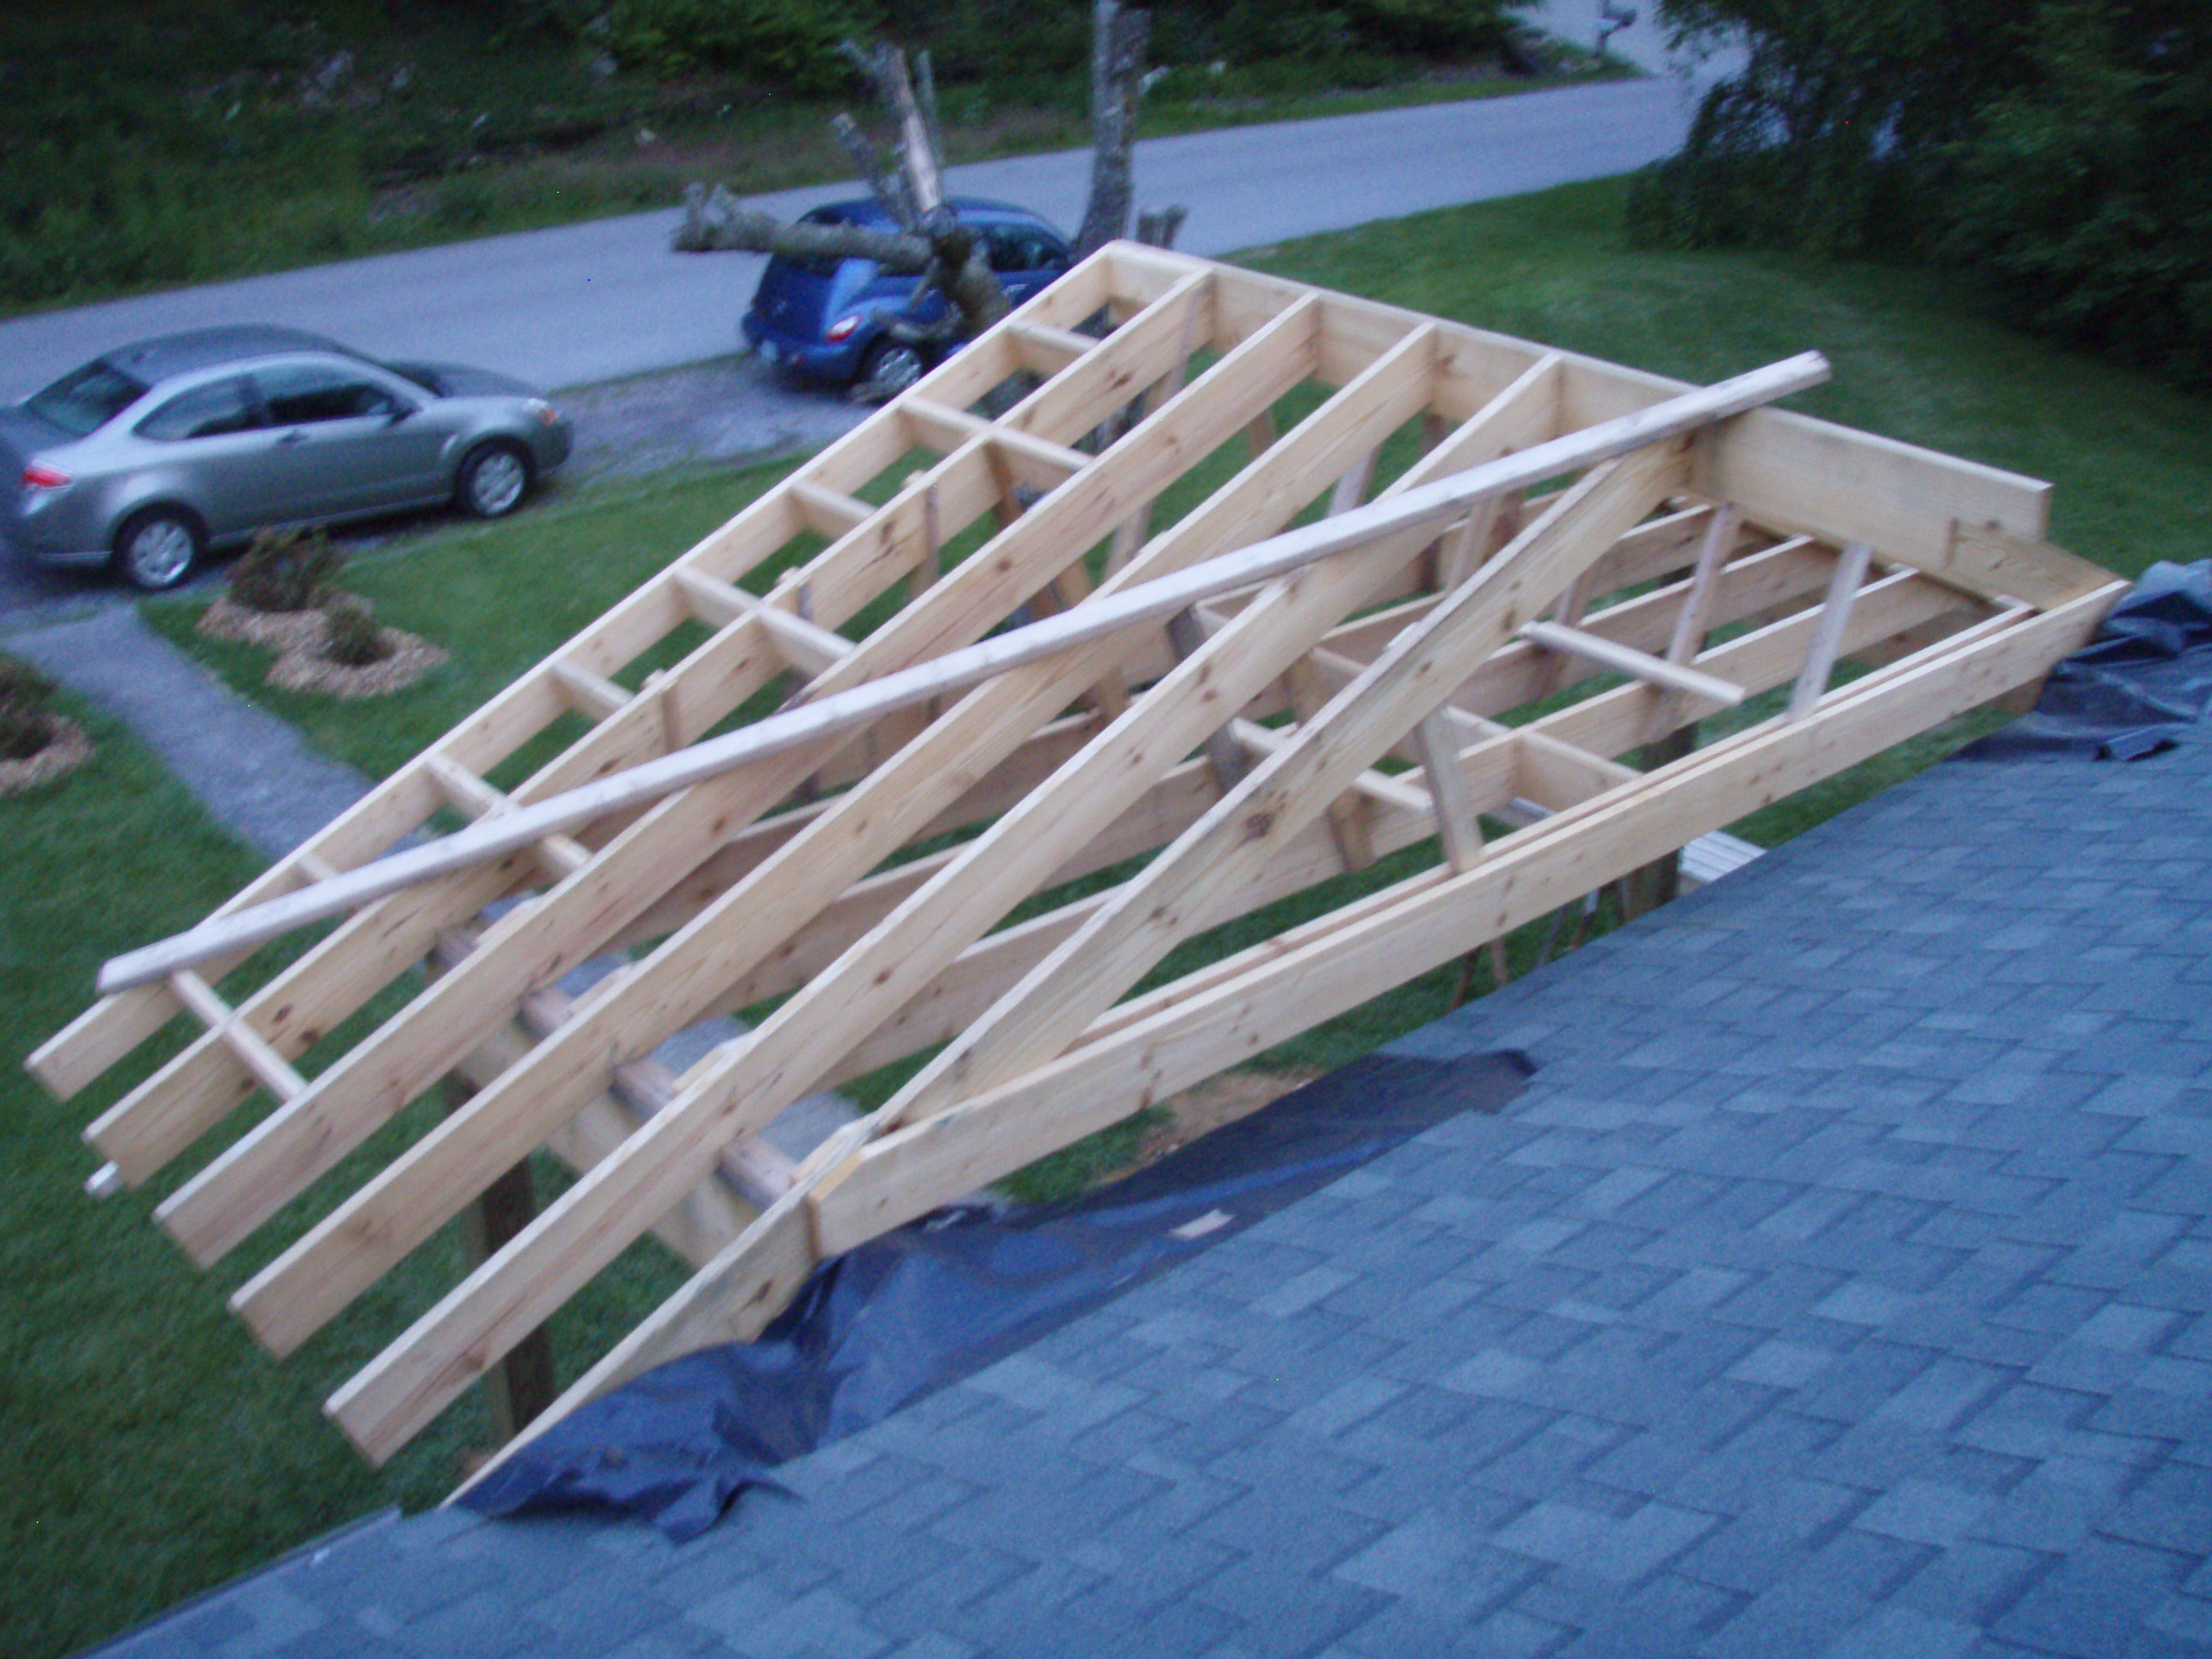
column 792, row 42
column 2059, row 150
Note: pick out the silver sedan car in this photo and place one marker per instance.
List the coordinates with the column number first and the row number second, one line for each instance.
column 146, row 457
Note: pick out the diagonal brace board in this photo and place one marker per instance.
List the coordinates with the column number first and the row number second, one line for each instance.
column 1170, row 900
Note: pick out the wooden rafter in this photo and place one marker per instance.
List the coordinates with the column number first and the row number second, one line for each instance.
column 1255, row 586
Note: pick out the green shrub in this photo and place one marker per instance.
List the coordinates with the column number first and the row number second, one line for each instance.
column 1432, row 28
column 285, row 570
column 2058, row 152
column 790, row 43
column 26, row 709
column 351, row 636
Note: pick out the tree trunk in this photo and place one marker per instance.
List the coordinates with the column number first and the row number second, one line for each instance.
column 1117, row 68
column 952, row 260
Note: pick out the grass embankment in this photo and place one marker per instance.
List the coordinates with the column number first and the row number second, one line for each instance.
column 329, row 129
column 159, row 1452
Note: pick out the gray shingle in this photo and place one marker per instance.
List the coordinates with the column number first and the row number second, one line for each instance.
column 1840, row 1284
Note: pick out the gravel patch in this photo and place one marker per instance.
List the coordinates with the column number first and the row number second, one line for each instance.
column 734, row 408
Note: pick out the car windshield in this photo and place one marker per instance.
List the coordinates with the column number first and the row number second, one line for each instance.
column 86, row 399
column 421, row 376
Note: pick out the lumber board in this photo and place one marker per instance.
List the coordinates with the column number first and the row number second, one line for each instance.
column 1828, row 638
column 1609, row 654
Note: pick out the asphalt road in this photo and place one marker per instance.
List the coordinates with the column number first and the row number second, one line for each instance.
column 596, row 303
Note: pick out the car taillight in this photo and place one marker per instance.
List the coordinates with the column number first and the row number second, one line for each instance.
column 38, row 476
column 841, row 329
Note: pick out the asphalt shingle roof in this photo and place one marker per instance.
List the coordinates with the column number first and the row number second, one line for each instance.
column 1841, row 1285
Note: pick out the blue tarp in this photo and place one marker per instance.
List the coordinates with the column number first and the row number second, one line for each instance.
column 2144, row 683
column 936, row 1301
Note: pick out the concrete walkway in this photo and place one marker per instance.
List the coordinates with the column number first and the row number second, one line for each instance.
column 254, row 773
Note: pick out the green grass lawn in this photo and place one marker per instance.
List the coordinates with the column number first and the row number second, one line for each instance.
column 159, row 1452
column 153, row 1449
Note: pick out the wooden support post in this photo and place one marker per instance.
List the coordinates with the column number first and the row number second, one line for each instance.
column 1347, row 813
column 1225, row 756
column 1456, row 824
column 1567, row 614
column 1693, row 621
column 520, row 1386
column 1647, row 887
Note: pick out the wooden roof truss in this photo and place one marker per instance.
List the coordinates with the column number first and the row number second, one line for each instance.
column 1251, row 588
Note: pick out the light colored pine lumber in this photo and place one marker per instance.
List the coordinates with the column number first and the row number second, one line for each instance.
column 1657, row 672
column 1458, row 825
column 1835, row 618
column 560, row 856
column 895, row 1176
column 269, row 1067
column 831, row 512
column 1054, row 348
column 807, row 647
column 594, row 696
column 941, row 427
column 1695, row 619
column 1400, row 792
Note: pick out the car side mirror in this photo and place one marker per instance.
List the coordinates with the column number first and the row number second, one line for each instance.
column 401, row 412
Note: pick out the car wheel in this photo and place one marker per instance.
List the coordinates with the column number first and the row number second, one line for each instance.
column 492, row 480
column 892, row 366
column 157, row 549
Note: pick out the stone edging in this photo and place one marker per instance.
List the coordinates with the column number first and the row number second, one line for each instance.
column 296, row 636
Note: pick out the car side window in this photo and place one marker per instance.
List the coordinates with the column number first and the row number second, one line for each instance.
column 207, row 411
column 1008, row 248
column 1013, row 249
column 297, row 394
